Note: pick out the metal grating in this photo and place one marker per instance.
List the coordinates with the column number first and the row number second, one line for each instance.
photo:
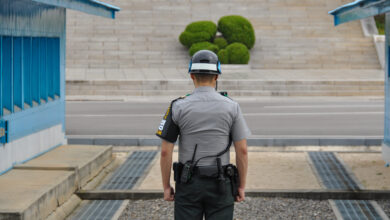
column 332, row 172
column 357, row 210
column 334, row 176
column 130, row 171
column 125, row 177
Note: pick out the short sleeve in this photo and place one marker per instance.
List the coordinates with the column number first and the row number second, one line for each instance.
column 240, row 129
column 168, row 130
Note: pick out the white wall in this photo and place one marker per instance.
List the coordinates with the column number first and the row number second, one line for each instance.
column 30, row 146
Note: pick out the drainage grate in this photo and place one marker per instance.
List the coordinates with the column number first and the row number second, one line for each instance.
column 331, row 171
column 125, row 177
column 357, row 209
column 334, row 176
column 130, row 171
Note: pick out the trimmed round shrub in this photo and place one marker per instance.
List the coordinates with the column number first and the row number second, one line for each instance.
column 220, row 42
column 203, row 46
column 202, row 26
column 188, row 38
column 223, row 56
column 238, row 53
column 235, row 28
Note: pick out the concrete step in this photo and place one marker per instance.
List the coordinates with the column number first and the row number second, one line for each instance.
column 35, row 189
column 234, row 87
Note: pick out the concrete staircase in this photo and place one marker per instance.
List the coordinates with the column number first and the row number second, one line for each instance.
column 238, row 83
column 291, row 35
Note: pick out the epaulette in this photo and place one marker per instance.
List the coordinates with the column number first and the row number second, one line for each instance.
column 225, row 94
column 181, row 97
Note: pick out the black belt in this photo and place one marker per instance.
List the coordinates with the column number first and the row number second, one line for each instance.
column 204, row 171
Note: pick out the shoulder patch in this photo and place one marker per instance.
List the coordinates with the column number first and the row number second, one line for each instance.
column 168, row 130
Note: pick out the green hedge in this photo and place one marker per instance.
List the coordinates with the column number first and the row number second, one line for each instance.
column 187, row 38
column 202, row 26
column 198, row 32
column 238, row 53
column 223, row 56
column 220, row 42
column 232, row 47
column 236, row 28
column 203, row 46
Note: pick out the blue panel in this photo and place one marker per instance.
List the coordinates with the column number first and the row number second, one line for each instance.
column 28, row 18
column 56, row 66
column 42, row 69
column 27, row 70
column 1, row 76
column 386, row 138
column 7, row 73
column 360, row 9
column 37, row 119
column 88, row 6
column 50, row 66
column 17, row 72
column 35, row 82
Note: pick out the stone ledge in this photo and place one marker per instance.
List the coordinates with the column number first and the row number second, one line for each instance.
column 35, row 189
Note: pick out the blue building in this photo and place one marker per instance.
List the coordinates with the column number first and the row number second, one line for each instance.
column 358, row 10
column 32, row 80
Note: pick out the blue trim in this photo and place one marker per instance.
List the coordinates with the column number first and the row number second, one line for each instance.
column 359, row 9
column 30, row 158
column 38, row 118
column 6, row 170
column 88, row 6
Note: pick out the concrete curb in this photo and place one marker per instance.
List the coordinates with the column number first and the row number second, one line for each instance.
column 152, row 141
column 321, row 194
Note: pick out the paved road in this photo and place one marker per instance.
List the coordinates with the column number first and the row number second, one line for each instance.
column 292, row 117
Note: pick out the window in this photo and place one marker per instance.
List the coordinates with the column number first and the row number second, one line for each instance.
column 30, row 72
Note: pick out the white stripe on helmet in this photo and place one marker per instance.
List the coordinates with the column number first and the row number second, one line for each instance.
column 204, row 66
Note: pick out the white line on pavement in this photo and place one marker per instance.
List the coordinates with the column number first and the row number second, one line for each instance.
column 247, row 114
column 324, row 106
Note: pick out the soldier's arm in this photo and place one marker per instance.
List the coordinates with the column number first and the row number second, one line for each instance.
column 242, row 165
column 166, row 164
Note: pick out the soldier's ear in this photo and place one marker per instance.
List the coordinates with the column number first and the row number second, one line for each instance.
column 216, row 77
column 192, row 77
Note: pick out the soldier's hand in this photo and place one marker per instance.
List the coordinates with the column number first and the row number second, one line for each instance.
column 169, row 194
column 241, row 195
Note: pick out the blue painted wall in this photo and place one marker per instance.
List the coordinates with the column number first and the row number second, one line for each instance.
column 32, row 34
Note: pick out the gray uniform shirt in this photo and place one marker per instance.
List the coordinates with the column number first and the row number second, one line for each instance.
column 205, row 118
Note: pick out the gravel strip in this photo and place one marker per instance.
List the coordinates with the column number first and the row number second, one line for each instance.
column 385, row 205
column 252, row 208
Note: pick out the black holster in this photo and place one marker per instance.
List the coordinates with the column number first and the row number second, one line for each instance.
column 232, row 172
column 177, row 169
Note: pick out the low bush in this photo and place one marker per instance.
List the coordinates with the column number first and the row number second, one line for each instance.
column 198, row 32
column 187, row 38
column 220, row 42
column 202, row 26
column 235, row 28
column 203, row 46
column 238, row 53
column 223, row 56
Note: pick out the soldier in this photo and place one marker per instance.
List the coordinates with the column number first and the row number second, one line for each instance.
column 206, row 123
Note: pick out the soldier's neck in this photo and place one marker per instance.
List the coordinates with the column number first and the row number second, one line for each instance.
column 196, row 84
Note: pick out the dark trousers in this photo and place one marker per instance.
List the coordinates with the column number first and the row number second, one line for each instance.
column 201, row 197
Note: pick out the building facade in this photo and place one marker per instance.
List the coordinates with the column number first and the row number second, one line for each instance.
column 32, row 80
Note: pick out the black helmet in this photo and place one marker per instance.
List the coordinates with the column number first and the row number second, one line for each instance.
column 205, row 62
